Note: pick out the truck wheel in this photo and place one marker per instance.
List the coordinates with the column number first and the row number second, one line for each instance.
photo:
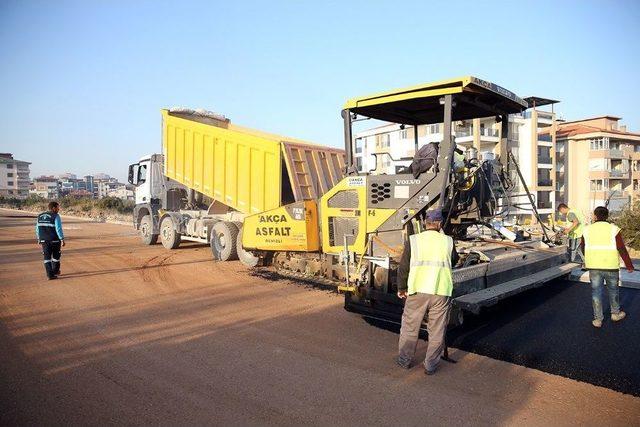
column 146, row 231
column 223, row 241
column 170, row 237
column 245, row 257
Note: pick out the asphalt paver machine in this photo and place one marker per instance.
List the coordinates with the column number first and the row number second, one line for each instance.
column 352, row 237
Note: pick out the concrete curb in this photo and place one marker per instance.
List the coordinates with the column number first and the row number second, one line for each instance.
column 81, row 218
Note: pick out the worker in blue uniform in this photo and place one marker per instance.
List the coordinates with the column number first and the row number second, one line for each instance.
column 51, row 238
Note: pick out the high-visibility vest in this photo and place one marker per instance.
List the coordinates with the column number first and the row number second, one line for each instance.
column 600, row 250
column 577, row 232
column 46, row 224
column 430, row 268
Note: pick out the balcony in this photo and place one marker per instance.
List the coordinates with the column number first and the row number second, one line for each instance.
column 619, row 174
column 616, row 154
column 545, row 183
column 489, row 132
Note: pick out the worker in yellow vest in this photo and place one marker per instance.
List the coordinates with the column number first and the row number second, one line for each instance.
column 603, row 248
column 425, row 282
column 573, row 230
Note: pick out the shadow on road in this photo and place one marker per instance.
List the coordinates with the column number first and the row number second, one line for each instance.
column 124, row 270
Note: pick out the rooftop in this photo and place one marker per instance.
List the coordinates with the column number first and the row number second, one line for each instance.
column 614, row 118
column 8, row 158
column 536, row 101
column 578, row 128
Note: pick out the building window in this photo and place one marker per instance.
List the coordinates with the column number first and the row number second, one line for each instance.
column 599, row 164
column 383, row 141
column 9, row 174
column 406, row 133
column 599, row 143
column 359, row 145
column 599, row 185
column 9, row 182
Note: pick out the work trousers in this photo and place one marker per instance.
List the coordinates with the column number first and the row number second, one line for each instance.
column 575, row 252
column 598, row 278
column 415, row 307
column 51, row 253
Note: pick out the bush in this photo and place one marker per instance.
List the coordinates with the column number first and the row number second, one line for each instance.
column 72, row 203
column 629, row 222
column 127, row 207
column 109, row 203
column 11, row 202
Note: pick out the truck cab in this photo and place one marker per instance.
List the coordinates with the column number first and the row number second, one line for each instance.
column 148, row 179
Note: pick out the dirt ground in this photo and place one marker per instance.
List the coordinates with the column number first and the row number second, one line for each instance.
column 134, row 334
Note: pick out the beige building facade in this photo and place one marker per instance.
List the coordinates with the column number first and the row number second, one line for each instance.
column 598, row 164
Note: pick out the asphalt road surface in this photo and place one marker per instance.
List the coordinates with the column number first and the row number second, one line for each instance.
column 136, row 335
column 550, row 329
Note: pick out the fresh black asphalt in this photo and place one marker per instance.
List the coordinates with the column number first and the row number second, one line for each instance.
column 550, row 329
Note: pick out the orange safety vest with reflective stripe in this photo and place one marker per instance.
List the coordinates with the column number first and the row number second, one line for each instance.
column 430, row 265
column 600, row 251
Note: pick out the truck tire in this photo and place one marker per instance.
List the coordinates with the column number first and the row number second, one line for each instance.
column 170, row 237
column 245, row 257
column 223, row 241
column 146, row 231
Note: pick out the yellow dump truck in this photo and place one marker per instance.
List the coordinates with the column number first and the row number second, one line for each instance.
column 213, row 173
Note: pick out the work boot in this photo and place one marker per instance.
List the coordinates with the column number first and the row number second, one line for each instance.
column 429, row 371
column 597, row 323
column 49, row 270
column 403, row 364
column 52, row 277
column 616, row 317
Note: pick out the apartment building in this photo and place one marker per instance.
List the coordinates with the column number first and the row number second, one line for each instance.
column 390, row 148
column 45, row 187
column 14, row 177
column 106, row 187
column 598, row 163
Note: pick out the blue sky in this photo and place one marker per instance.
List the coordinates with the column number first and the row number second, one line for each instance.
column 82, row 83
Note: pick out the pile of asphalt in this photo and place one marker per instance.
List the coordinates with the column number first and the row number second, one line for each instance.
column 550, row 329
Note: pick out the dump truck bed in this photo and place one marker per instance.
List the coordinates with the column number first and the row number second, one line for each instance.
column 248, row 170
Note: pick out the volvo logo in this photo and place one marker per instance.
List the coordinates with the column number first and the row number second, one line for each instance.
column 407, row 181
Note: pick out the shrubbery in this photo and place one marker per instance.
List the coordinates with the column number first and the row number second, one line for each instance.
column 629, row 222
column 115, row 204
column 72, row 204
